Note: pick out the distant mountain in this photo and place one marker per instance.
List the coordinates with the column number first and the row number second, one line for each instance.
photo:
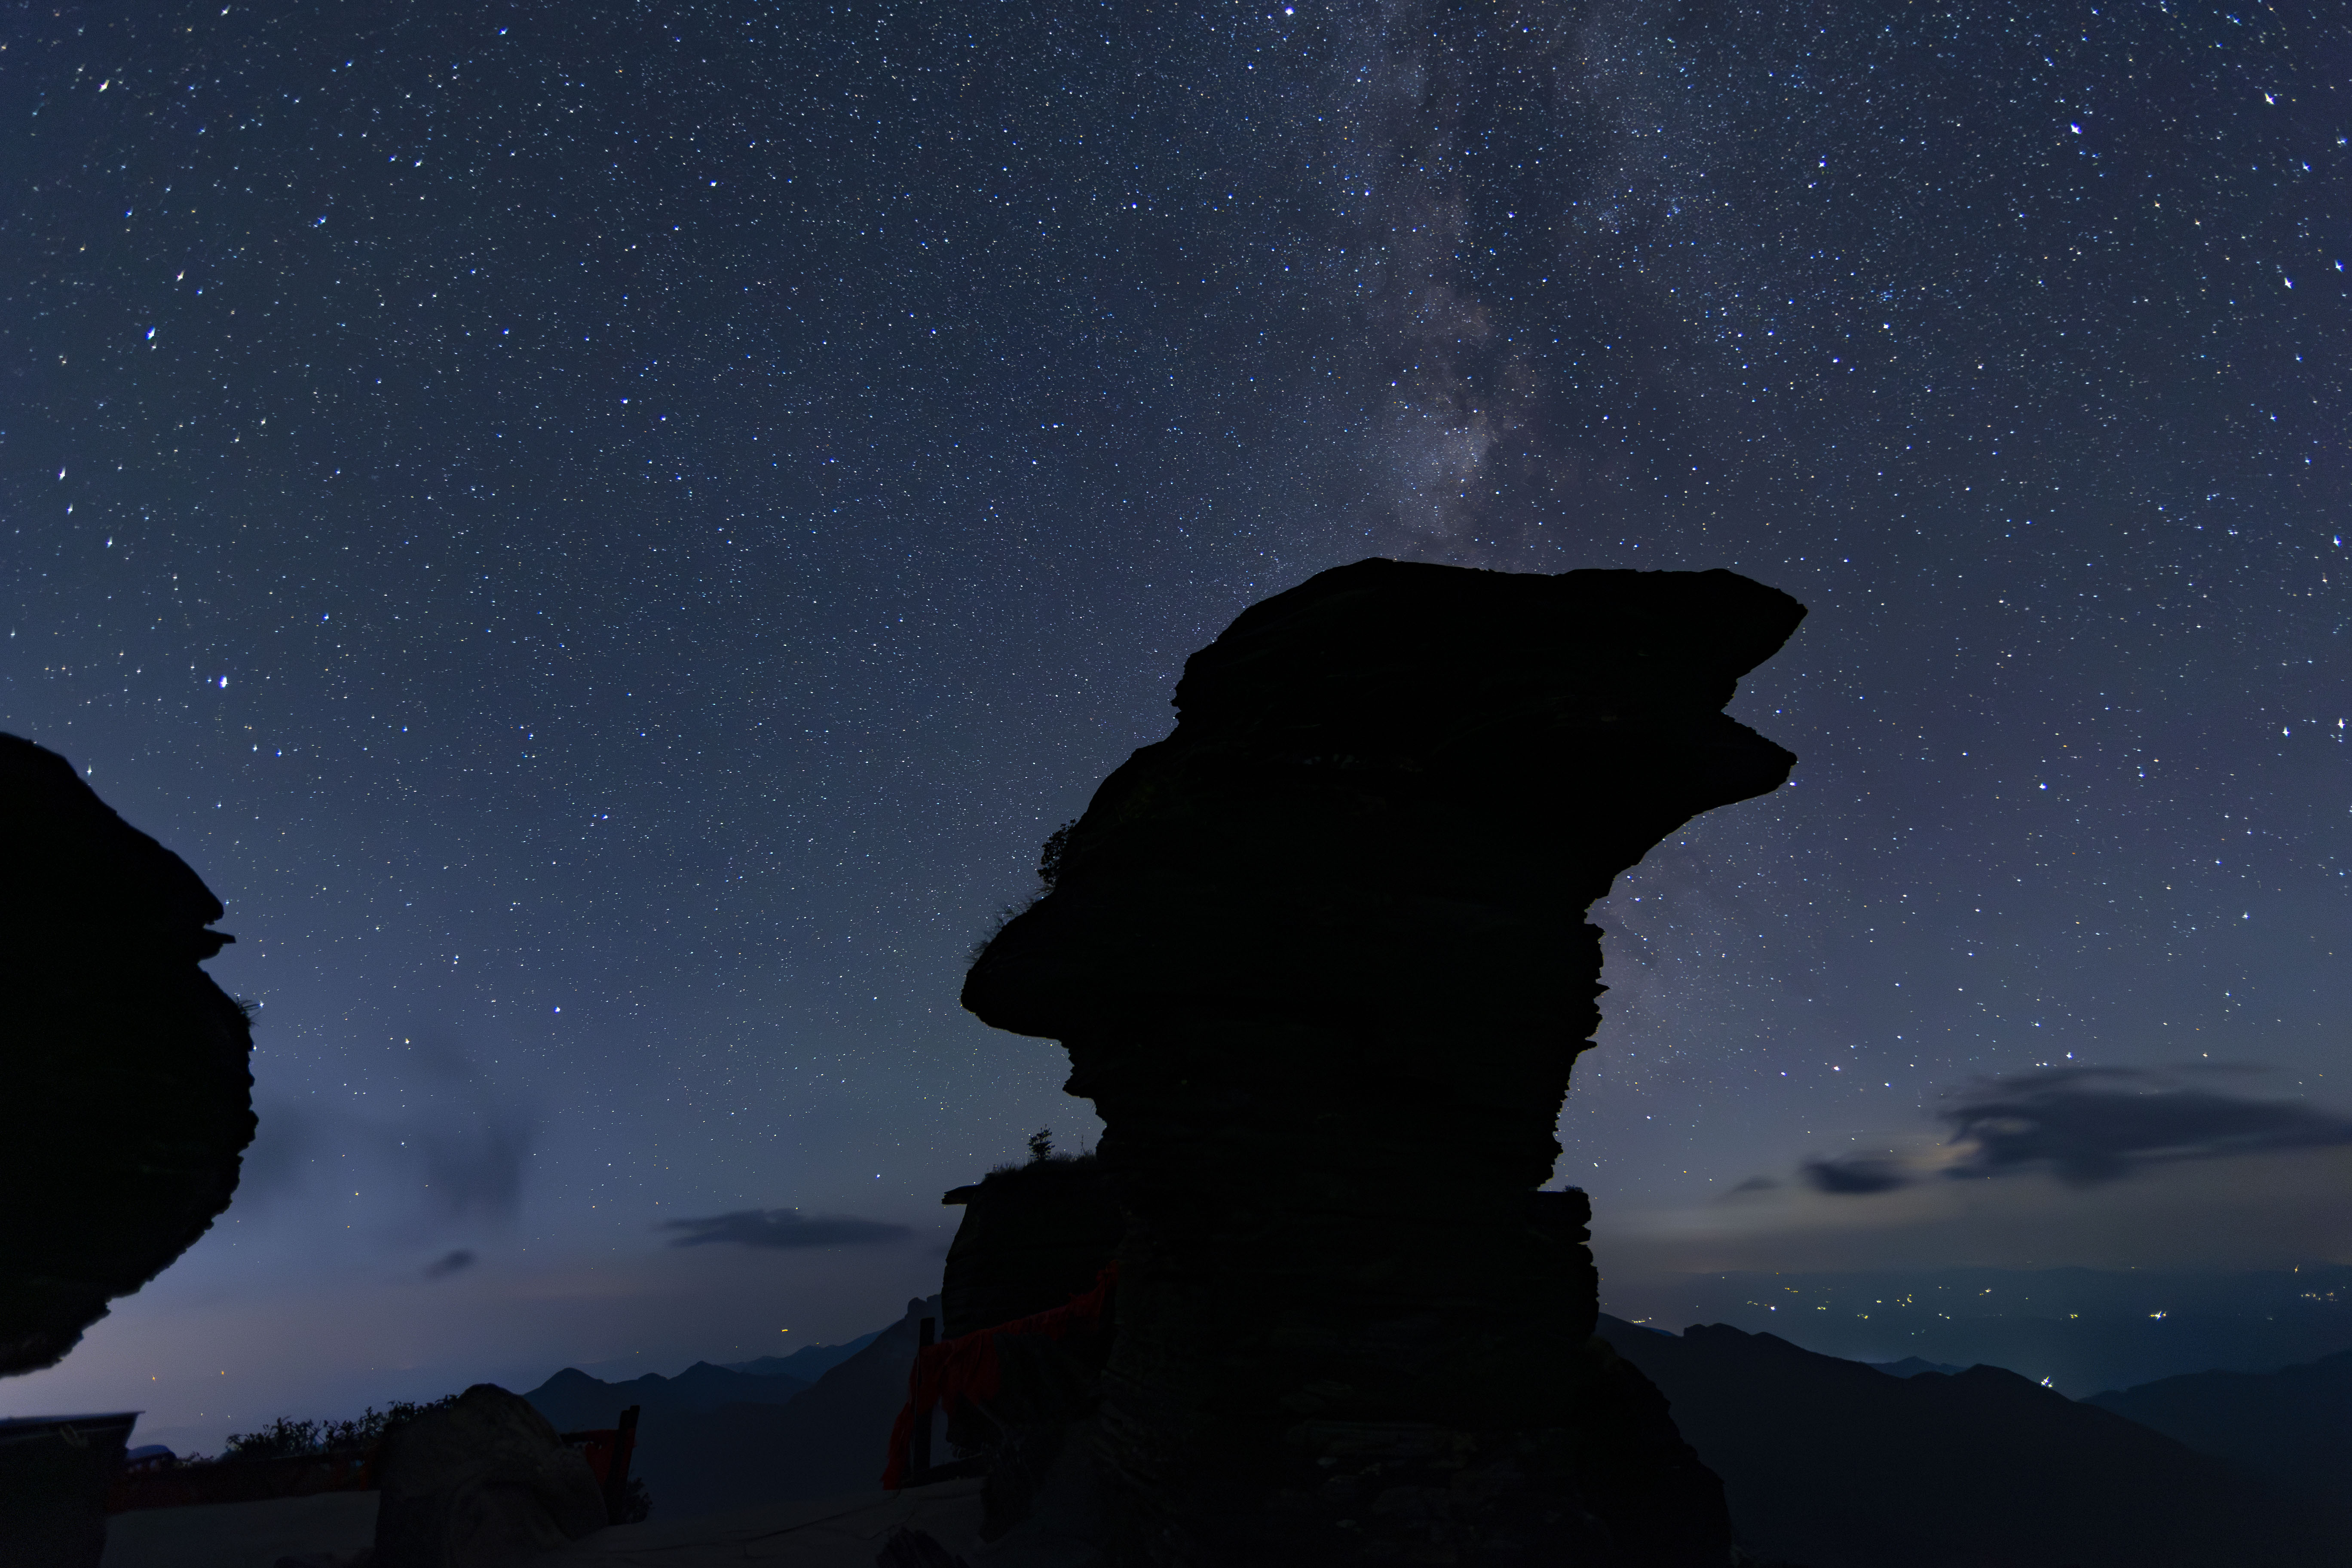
column 1834, row 1464
column 576, row 1402
column 821, row 1439
column 2084, row 1329
column 2293, row 1427
column 808, row 1363
column 1912, row 1366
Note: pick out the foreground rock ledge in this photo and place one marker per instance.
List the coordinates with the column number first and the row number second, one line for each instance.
column 1320, row 960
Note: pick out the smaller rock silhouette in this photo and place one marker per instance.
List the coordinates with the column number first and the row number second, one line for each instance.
column 1033, row 1236
column 485, row 1483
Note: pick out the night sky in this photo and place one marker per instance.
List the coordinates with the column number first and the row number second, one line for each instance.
column 609, row 534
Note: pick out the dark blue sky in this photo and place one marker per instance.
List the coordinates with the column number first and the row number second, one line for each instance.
column 608, row 535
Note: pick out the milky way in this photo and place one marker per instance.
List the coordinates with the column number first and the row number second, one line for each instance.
column 608, row 537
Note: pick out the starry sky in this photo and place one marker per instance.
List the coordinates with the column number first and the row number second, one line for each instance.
column 609, row 534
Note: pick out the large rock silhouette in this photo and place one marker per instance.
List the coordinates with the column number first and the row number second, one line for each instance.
column 128, row 1103
column 1320, row 960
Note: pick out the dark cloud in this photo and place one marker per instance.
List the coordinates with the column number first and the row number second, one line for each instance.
column 1756, row 1185
column 784, row 1228
column 2090, row 1125
column 1848, row 1175
column 474, row 1162
column 457, row 1262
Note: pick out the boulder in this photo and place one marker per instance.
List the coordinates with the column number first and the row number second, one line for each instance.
column 483, row 1483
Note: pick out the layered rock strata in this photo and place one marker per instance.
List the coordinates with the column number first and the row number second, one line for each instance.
column 1320, row 960
column 128, row 1104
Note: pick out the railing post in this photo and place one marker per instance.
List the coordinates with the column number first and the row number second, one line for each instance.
column 616, row 1472
column 919, row 1443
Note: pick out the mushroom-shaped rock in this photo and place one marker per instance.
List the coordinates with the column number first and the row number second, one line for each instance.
column 1319, row 959
column 128, row 1102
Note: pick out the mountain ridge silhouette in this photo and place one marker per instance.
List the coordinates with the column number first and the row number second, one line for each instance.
column 1837, row 1463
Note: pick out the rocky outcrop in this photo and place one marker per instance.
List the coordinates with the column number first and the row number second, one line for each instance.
column 483, row 1483
column 1033, row 1236
column 1320, row 960
column 128, row 1104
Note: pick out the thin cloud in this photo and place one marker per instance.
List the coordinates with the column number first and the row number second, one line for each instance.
column 449, row 1163
column 477, row 1166
column 784, row 1228
column 2093, row 1125
column 457, row 1262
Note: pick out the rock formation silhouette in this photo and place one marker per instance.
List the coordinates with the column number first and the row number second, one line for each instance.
column 1320, row 960
column 128, row 1104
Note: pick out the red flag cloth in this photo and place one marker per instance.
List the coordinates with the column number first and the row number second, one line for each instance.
column 598, row 1446
column 966, row 1366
